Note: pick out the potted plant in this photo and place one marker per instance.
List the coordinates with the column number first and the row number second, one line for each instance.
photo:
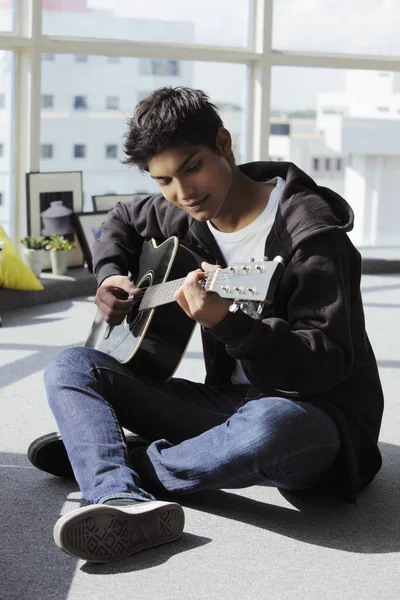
column 59, row 247
column 33, row 249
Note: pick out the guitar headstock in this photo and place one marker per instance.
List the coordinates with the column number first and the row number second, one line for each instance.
column 244, row 281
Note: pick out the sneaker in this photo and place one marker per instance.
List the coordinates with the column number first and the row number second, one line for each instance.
column 103, row 532
column 48, row 453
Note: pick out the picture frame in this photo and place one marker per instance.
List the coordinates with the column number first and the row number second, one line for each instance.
column 108, row 201
column 87, row 226
column 44, row 188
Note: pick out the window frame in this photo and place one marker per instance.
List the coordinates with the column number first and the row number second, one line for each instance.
column 30, row 45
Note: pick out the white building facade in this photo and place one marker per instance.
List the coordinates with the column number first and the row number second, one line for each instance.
column 353, row 147
column 364, row 126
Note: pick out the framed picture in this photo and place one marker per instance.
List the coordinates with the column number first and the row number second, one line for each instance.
column 108, row 202
column 43, row 189
column 88, row 229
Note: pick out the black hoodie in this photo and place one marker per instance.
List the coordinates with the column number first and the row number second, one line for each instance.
column 311, row 344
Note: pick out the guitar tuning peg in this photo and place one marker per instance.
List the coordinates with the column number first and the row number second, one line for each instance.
column 279, row 259
column 234, row 307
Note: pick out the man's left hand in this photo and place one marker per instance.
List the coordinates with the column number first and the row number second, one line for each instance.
column 206, row 308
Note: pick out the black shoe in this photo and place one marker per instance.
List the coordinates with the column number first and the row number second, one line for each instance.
column 48, row 453
column 105, row 532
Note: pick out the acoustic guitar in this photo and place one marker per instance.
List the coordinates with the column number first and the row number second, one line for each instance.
column 156, row 331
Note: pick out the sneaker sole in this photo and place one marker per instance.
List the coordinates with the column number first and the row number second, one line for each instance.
column 104, row 533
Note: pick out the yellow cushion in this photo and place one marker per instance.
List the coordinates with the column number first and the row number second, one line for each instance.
column 14, row 273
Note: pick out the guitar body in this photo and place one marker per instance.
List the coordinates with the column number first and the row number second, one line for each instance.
column 155, row 338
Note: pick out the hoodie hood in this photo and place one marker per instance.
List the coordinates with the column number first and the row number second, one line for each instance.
column 306, row 209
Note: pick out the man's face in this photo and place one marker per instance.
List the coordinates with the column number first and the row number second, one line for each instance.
column 196, row 179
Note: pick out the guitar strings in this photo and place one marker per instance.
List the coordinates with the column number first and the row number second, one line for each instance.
column 143, row 291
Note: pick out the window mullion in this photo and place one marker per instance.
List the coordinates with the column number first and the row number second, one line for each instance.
column 260, row 82
column 27, row 108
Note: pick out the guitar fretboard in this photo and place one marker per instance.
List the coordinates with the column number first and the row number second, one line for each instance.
column 163, row 293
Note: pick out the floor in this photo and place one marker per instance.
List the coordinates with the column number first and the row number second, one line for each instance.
column 244, row 544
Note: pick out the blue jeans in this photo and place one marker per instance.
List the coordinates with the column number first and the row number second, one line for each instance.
column 203, row 437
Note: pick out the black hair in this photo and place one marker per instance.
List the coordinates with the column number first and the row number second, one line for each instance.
column 170, row 118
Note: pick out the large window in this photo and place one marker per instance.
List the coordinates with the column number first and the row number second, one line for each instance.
column 95, row 134
column 212, row 22
column 6, row 137
column 316, row 82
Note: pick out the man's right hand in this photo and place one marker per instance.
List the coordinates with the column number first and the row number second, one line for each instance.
column 109, row 298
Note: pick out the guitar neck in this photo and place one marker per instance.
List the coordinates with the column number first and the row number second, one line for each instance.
column 241, row 282
column 160, row 293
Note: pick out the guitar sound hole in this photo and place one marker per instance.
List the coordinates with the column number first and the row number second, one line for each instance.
column 134, row 318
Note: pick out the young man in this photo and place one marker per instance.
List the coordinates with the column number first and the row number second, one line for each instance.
column 292, row 396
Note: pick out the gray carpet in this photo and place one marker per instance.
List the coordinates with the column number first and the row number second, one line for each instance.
column 243, row 544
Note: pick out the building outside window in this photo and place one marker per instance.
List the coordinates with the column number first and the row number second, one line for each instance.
column 81, row 58
column 327, row 164
column 112, row 103
column 173, row 67
column 113, row 59
column 315, row 162
column 158, row 66
column 46, row 150
column 2, row 100
column 47, row 101
column 280, row 128
column 142, row 95
column 338, row 164
column 1, row 198
column 79, row 151
column 1, row 150
column 111, row 151
column 48, row 56
column 80, row 103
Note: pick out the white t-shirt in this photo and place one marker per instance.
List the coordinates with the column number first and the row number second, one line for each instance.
column 239, row 246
